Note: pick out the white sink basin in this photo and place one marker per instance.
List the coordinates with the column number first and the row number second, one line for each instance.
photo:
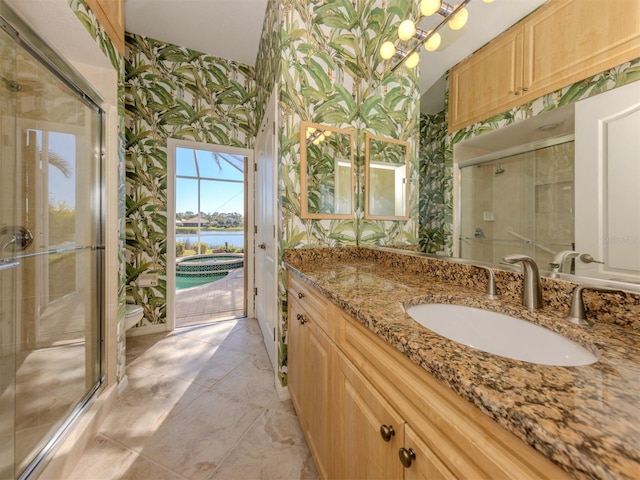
column 501, row 335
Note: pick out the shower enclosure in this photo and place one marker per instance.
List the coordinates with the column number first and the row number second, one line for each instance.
column 50, row 254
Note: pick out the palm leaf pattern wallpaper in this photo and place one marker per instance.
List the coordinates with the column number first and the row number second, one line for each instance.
column 330, row 73
column 172, row 91
column 89, row 21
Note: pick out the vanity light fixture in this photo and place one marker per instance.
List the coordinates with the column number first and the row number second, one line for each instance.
column 411, row 37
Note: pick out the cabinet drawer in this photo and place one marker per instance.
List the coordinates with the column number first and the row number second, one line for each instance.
column 311, row 302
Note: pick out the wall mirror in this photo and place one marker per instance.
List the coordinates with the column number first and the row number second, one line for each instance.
column 386, row 182
column 326, row 171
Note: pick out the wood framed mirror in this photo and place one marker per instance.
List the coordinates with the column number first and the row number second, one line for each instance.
column 386, row 195
column 326, row 171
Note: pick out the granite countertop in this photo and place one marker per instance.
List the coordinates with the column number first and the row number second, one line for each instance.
column 585, row 419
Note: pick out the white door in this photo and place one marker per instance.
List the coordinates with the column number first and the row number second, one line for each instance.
column 607, row 170
column 266, row 248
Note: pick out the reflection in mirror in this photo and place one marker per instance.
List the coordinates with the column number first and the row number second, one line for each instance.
column 326, row 171
column 521, row 202
column 387, row 171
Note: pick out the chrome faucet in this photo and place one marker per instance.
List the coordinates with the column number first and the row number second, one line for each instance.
column 531, row 289
column 557, row 264
column 491, row 291
column 578, row 314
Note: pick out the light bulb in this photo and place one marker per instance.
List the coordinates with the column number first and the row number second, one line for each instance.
column 310, row 131
column 327, row 133
column 487, row 1
column 433, row 43
column 406, row 30
column 429, row 7
column 387, row 50
column 321, row 138
column 459, row 20
column 413, row 60
column 316, row 141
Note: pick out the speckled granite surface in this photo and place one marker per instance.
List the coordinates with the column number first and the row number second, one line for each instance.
column 586, row 419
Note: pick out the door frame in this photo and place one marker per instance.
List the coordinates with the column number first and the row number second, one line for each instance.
column 172, row 145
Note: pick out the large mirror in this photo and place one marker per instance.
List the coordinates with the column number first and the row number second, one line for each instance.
column 326, row 171
column 386, row 178
column 568, row 202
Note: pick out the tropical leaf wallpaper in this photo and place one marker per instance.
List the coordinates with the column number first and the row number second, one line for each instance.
column 436, row 149
column 330, row 73
column 172, row 91
column 88, row 19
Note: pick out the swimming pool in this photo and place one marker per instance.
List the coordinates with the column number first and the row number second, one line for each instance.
column 188, row 281
column 202, row 269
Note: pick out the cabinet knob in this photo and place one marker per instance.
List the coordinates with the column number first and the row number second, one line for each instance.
column 386, row 432
column 525, row 89
column 301, row 319
column 517, row 92
column 407, row 456
column 300, row 295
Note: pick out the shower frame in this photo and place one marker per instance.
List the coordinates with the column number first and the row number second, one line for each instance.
column 28, row 40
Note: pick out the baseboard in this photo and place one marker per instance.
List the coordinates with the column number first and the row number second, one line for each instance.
column 146, row 330
column 67, row 454
column 283, row 392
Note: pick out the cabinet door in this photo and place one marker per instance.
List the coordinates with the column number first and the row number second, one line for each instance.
column 366, row 453
column 569, row 40
column 487, row 82
column 309, row 371
column 425, row 464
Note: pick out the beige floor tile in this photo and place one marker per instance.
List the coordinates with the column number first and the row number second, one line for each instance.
column 253, row 384
column 104, row 459
column 195, row 441
column 150, row 399
column 274, row 448
column 200, row 403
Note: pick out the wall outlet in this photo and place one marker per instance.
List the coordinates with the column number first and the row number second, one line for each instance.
column 148, row 280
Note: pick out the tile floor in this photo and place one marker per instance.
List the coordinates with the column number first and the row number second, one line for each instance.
column 219, row 300
column 200, row 404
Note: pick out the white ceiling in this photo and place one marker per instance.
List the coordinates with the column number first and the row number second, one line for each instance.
column 231, row 29
column 227, row 29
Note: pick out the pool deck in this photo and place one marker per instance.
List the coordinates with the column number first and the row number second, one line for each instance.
column 211, row 302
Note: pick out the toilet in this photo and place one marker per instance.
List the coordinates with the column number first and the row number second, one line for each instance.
column 133, row 314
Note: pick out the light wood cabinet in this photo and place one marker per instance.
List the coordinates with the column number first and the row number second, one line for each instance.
column 110, row 14
column 371, row 431
column 559, row 44
column 310, row 355
column 349, row 388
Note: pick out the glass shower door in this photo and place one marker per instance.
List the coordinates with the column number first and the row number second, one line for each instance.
column 50, row 228
column 8, row 267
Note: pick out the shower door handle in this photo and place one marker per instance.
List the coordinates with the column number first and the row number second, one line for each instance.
column 7, row 266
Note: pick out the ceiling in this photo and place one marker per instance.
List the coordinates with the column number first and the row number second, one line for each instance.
column 231, row 29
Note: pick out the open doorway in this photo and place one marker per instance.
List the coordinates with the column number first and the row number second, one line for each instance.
column 207, row 244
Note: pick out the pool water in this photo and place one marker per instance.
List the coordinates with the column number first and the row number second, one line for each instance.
column 183, row 282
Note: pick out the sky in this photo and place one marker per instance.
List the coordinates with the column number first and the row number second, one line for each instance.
column 215, row 196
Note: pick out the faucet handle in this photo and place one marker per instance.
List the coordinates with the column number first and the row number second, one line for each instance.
column 577, row 313
column 492, row 291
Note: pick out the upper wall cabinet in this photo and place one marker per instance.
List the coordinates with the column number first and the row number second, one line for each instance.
column 326, row 171
column 559, row 44
column 110, row 14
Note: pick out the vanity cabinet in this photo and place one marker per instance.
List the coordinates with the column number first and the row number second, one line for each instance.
column 363, row 405
column 562, row 42
column 110, row 14
column 309, row 369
